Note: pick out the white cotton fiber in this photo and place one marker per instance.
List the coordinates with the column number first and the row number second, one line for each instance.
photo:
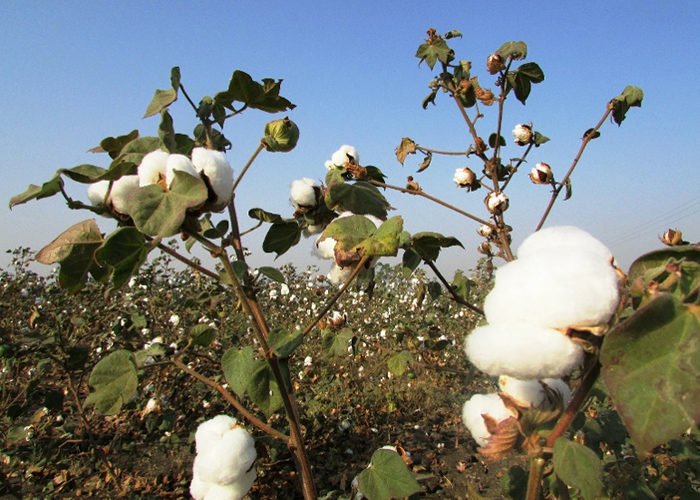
column 341, row 157
column 121, row 190
column 210, row 432
column 227, row 460
column 152, row 168
column 217, row 169
column 568, row 239
column 557, row 290
column 523, row 351
column 478, row 406
column 180, row 163
column 339, row 275
column 198, row 488
column 325, row 248
column 531, row 392
column 234, row 491
column 97, row 192
column 303, row 193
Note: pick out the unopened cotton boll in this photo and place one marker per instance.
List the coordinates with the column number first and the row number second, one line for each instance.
column 181, row 163
column 474, row 410
column 121, row 190
column 556, row 290
column 226, row 461
column 562, row 239
column 523, row 351
column 344, row 155
column 218, row 171
column 531, row 392
column 152, row 168
column 303, row 194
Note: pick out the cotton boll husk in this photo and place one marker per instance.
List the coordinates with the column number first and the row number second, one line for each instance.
column 227, row 460
column 181, row 163
column 152, row 167
column 235, row 491
column 302, row 193
column 558, row 290
column 121, row 190
column 212, row 431
column 568, row 239
column 198, row 488
column 522, row 350
column 340, row 157
column 339, row 275
column 97, row 192
column 479, row 405
column 215, row 166
column 530, row 392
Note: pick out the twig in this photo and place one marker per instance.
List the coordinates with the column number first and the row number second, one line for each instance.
column 456, row 297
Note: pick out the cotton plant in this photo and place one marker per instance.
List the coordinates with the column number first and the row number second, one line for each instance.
column 563, row 283
column 223, row 467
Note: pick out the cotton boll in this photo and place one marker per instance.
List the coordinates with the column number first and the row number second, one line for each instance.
column 235, row 491
column 121, row 190
column 339, row 275
column 198, row 488
column 375, row 220
column 325, row 248
column 568, row 239
column 218, row 171
column 152, row 168
column 478, row 406
column 97, row 192
column 523, row 351
column 531, row 392
column 303, row 193
column 345, row 154
column 212, row 431
column 557, row 291
column 227, row 460
column 181, row 163
column 314, row 229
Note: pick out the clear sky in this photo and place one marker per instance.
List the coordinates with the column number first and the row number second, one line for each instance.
column 74, row 74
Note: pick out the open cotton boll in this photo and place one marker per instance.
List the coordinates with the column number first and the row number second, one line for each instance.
column 568, row 239
column 218, row 171
column 474, row 410
column 303, row 193
column 226, row 461
column 198, row 488
column 97, row 192
column 234, row 491
column 152, row 168
column 212, row 431
column 530, row 392
column 325, row 248
column 121, row 190
column 523, row 351
column 345, row 154
column 558, row 290
column 177, row 162
column 339, row 275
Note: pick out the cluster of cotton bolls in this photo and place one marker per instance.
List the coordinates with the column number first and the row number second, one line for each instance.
column 563, row 280
column 224, row 465
column 159, row 167
column 306, row 195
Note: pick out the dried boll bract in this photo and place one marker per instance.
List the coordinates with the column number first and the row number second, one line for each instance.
column 533, row 393
column 481, row 405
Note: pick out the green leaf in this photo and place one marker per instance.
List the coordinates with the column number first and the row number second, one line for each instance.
column 114, row 145
column 515, row 50
column 202, row 335
column 569, row 189
column 387, row 477
column 283, row 342
column 244, row 89
column 428, row 244
column 384, row 241
column 579, row 467
column 675, row 269
column 462, row 285
column 166, row 132
column 430, row 99
column 175, row 78
column 152, row 350
column 238, row 366
column 651, row 365
column 433, row 52
column 495, row 137
column 273, row 273
column 410, row 262
column 281, row 237
column 398, row 362
column 630, row 97
column 532, row 72
column 359, row 198
column 75, row 250
column 157, row 212
column 263, row 389
column 115, row 380
column 336, row 343
column 161, row 100
column 85, row 174
column 34, row 192
column 539, row 139
column 349, row 232
column 262, row 215
column 125, row 250
column 514, row 483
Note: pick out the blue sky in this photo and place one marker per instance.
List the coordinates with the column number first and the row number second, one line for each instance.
column 73, row 75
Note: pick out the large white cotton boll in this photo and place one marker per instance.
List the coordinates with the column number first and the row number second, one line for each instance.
column 181, row 163
column 523, row 351
column 341, row 157
column 234, row 491
column 303, row 193
column 325, row 248
column 531, row 392
column 212, row 431
column 198, row 488
column 339, row 275
column 152, row 168
column 121, row 190
column 478, row 406
column 557, row 291
column 226, row 461
column 97, row 192
column 568, row 239
column 217, row 169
